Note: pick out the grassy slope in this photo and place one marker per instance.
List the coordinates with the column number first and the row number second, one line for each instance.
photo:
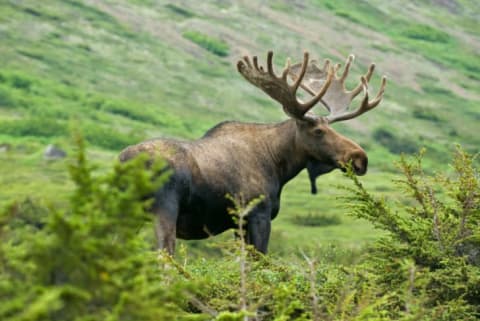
column 123, row 71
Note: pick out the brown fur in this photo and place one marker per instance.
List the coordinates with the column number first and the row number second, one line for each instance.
column 238, row 159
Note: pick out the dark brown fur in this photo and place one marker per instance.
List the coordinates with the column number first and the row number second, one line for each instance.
column 238, row 159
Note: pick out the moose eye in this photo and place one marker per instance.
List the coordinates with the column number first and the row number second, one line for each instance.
column 318, row 132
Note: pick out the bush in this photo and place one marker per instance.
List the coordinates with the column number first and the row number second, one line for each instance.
column 393, row 143
column 215, row 46
column 44, row 127
column 313, row 219
column 179, row 10
column 87, row 261
column 6, row 99
column 435, row 239
column 91, row 260
column 426, row 114
column 426, row 33
column 109, row 138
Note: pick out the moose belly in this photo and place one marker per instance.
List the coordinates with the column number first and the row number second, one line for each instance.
column 198, row 221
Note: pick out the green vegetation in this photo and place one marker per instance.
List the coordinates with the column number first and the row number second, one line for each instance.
column 215, row 46
column 315, row 220
column 179, row 10
column 92, row 258
column 436, row 235
column 393, row 143
column 123, row 71
column 426, row 33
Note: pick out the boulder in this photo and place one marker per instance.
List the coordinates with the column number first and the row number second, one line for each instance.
column 54, row 152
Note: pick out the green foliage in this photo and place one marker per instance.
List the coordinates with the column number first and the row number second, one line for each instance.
column 434, row 236
column 215, row 46
column 91, row 259
column 87, row 261
column 393, row 143
column 315, row 219
column 39, row 127
column 66, row 60
column 427, row 114
column 179, row 10
column 425, row 33
column 108, row 138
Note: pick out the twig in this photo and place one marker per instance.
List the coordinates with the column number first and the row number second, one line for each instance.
column 313, row 293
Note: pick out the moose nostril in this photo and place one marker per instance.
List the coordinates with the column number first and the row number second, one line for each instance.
column 359, row 162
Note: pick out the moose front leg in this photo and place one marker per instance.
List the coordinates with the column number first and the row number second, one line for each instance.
column 258, row 230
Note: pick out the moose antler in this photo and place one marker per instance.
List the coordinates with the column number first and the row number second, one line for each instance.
column 278, row 87
column 337, row 99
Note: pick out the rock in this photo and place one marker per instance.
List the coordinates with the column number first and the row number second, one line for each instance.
column 53, row 152
column 5, row 147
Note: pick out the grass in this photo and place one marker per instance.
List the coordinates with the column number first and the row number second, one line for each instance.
column 215, row 46
column 315, row 219
column 126, row 71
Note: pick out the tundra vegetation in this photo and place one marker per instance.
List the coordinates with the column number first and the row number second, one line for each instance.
column 92, row 259
column 123, row 71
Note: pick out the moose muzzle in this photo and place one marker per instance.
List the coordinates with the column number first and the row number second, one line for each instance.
column 359, row 161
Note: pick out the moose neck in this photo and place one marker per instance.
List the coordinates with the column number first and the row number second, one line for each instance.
column 286, row 156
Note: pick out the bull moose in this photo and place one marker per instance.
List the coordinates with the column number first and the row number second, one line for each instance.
column 253, row 159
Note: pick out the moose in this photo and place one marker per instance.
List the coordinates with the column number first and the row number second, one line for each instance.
column 251, row 159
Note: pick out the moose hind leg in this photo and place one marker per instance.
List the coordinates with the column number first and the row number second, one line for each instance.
column 165, row 227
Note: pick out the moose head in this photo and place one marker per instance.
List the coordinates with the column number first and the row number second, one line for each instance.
column 320, row 141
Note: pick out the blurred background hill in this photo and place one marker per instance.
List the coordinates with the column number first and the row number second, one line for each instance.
column 122, row 71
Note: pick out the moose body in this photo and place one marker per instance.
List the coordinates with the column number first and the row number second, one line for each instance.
column 243, row 159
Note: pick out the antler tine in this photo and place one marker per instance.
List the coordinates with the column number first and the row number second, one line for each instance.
column 347, row 68
column 368, row 75
column 380, row 93
column 336, row 68
column 286, row 69
column 255, row 63
column 322, row 91
column 365, row 105
column 337, row 98
column 270, row 64
column 302, row 72
column 247, row 61
column 278, row 87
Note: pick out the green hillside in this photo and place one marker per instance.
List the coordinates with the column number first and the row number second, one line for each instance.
column 122, row 71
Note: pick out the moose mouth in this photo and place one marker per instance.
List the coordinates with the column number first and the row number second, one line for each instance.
column 359, row 171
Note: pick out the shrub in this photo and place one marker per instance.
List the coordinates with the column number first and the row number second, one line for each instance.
column 44, row 127
column 426, row 33
column 435, row 90
column 91, row 261
column 315, row 219
column 215, row 46
column 393, row 143
column 20, row 82
column 426, row 114
column 435, row 238
column 179, row 10
column 87, row 261
column 6, row 99
column 109, row 138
